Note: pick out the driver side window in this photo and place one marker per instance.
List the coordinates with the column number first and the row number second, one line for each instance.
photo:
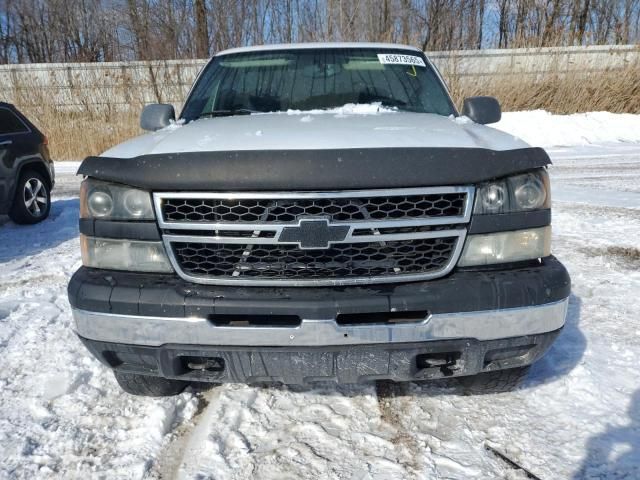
column 10, row 123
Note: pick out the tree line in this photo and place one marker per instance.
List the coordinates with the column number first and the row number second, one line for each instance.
column 112, row 30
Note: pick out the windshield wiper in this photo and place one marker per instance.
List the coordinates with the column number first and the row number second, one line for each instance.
column 226, row 113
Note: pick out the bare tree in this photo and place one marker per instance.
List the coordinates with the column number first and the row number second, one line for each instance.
column 138, row 12
column 503, row 23
column 103, row 30
column 202, row 29
column 550, row 26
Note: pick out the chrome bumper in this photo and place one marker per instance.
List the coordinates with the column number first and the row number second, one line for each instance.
column 480, row 325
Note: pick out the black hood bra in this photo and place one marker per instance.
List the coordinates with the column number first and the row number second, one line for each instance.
column 289, row 170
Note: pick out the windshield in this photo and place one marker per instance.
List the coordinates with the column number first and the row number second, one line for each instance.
column 311, row 79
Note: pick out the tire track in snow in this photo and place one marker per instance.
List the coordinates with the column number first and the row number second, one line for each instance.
column 172, row 456
column 282, row 432
column 392, row 403
column 199, row 449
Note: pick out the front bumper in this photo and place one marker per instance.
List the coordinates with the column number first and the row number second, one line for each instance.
column 478, row 325
column 474, row 320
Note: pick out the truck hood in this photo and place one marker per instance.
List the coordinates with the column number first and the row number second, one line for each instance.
column 318, row 131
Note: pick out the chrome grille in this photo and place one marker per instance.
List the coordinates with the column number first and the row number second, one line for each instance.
column 373, row 236
column 345, row 260
column 286, row 210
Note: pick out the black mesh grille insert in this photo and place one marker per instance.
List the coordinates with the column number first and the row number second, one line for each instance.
column 336, row 209
column 420, row 256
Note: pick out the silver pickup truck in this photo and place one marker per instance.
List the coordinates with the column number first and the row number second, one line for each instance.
column 318, row 213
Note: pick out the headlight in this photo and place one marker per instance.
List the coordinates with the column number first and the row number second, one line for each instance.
column 131, row 255
column 100, row 203
column 505, row 247
column 493, row 197
column 109, row 201
column 529, row 191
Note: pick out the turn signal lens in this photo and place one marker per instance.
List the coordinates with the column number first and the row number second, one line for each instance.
column 506, row 247
column 130, row 255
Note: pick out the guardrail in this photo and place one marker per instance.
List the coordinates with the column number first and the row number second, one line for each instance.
column 536, row 61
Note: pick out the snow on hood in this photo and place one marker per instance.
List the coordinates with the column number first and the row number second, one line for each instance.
column 351, row 126
column 347, row 109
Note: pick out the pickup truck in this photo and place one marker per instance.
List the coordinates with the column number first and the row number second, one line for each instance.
column 318, row 213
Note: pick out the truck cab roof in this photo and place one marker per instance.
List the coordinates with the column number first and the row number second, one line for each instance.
column 318, row 45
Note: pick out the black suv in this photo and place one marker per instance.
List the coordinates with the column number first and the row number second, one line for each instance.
column 26, row 169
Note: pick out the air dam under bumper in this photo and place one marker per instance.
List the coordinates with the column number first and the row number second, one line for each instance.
column 345, row 364
column 477, row 320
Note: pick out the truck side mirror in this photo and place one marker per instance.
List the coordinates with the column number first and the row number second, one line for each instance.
column 156, row 116
column 482, row 110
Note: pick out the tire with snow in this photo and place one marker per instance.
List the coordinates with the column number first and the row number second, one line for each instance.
column 148, row 386
column 32, row 200
column 494, row 382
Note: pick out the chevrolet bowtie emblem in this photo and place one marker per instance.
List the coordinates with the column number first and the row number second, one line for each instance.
column 317, row 233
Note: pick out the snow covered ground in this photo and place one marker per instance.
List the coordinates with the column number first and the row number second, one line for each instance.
column 578, row 415
column 545, row 129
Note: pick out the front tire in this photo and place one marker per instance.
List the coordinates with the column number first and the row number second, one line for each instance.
column 32, row 201
column 497, row 381
column 147, row 386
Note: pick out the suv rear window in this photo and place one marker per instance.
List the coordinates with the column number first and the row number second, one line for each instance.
column 311, row 79
column 10, row 123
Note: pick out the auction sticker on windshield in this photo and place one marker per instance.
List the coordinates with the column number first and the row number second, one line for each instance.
column 397, row 59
